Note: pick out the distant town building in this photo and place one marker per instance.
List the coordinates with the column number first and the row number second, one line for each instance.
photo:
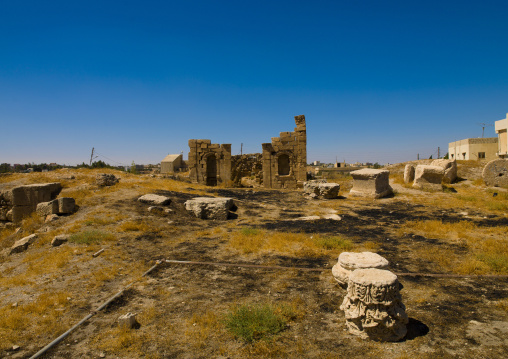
column 483, row 149
column 316, row 163
column 171, row 163
column 501, row 127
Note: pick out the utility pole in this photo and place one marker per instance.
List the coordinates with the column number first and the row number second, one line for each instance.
column 483, row 127
column 438, row 153
column 241, row 149
column 91, row 156
column 418, row 156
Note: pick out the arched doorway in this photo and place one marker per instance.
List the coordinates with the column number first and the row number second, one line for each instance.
column 284, row 166
column 211, row 170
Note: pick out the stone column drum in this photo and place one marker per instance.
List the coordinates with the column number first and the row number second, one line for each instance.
column 349, row 261
column 373, row 306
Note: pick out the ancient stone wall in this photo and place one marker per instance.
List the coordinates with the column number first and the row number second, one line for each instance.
column 285, row 158
column 209, row 163
column 248, row 165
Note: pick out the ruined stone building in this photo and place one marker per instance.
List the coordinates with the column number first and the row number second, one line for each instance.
column 285, row 158
column 171, row 163
column 282, row 164
column 209, row 163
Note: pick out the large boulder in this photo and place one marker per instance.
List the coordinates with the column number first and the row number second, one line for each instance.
column 428, row 177
column 210, row 208
column 320, row 188
column 450, row 169
column 22, row 244
column 495, row 173
column 155, row 199
column 369, row 182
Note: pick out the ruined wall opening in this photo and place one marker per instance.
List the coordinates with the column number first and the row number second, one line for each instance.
column 284, row 165
column 211, row 170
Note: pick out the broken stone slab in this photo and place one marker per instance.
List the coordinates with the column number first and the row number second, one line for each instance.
column 47, row 208
column 22, row 244
column 370, row 182
column 155, row 199
column 449, row 167
column 495, row 173
column 105, row 179
column 31, row 195
column 128, row 321
column 210, row 208
column 349, row 261
column 59, row 240
column 373, row 306
column 409, row 174
column 428, row 177
column 320, row 188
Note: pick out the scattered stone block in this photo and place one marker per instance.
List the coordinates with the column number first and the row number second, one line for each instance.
column 210, row 208
column 66, row 205
column 449, row 167
column 409, row 174
column 373, row 306
column 495, row 173
column 320, row 188
column 105, row 179
column 369, row 182
column 128, row 321
column 22, row 244
column 350, row 261
column 46, row 208
column 428, row 177
column 59, row 240
column 155, row 199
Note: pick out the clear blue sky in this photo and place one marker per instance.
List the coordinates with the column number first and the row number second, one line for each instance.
column 378, row 81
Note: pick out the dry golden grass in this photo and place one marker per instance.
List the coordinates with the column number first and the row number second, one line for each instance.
column 44, row 316
column 487, row 246
column 133, row 226
column 252, row 241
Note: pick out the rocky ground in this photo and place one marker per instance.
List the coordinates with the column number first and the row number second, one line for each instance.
column 449, row 249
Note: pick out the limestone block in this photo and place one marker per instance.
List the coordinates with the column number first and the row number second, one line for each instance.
column 22, row 244
column 59, row 240
column 409, row 173
column 66, row 205
column 128, row 321
column 349, row 261
column 17, row 213
column 105, row 179
column 371, row 183
column 46, row 208
column 429, row 177
column 30, row 195
column 495, row 173
column 450, row 169
column 210, row 208
column 319, row 188
column 155, row 199
column 373, row 306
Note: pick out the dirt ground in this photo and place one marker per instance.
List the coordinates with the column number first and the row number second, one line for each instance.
column 452, row 313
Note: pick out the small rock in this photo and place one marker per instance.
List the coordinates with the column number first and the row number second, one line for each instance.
column 155, row 199
column 128, row 321
column 14, row 305
column 22, row 244
column 51, row 218
column 59, row 240
column 15, row 348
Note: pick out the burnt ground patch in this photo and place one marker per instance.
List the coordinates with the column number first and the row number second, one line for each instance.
column 272, row 197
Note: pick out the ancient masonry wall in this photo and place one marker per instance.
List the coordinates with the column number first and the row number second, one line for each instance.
column 209, row 163
column 285, row 158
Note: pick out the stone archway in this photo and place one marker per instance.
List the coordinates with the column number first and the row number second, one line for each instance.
column 211, row 170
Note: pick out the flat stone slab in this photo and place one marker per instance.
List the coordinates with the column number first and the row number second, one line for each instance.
column 155, row 199
column 59, row 240
column 22, row 244
column 210, row 208
column 495, row 173
column 370, row 182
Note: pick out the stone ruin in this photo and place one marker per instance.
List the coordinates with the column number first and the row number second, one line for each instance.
column 19, row 202
column 282, row 163
column 209, row 163
column 431, row 176
column 369, row 182
column 349, row 261
column 285, row 158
